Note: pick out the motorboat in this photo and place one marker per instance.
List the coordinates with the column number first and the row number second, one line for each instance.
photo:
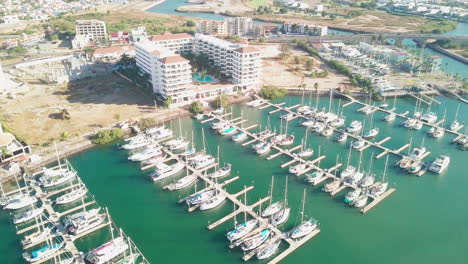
column 303, row 109
column 199, row 116
column 438, row 132
column 288, row 116
column 440, row 164
column 352, row 195
column 183, row 144
column 367, row 181
column 308, row 123
column 218, row 111
column 188, row 152
column 255, row 103
column 258, row 145
column 145, row 154
column 278, row 138
column 162, row 134
column 163, row 171
column 81, row 222
column 354, row 127
column 213, row 202
column 354, row 178
column 417, row 125
column 256, row 240
column 349, row 171
column 45, row 181
column 269, row 250
column 242, row 230
column 264, row 134
column 221, row 172
column 429, row 117
column 107, row 252
column 330, row 187
column 361, row 201
column 415, row 167
column 342, row 137
column 417, row 153
column 20, row 202
column 155, row 159
column 314, row 176
column 71, row 196
column 303, row 229
column 239, row 137
column 417, row 115
column 36, row 237
column 228, row 131
column 367, row 110
column 8, row 199
column 379, row 188
column 42, row 253
column 219, row 124
column 137, row 143
column 204, row 162
column 200, row 197
column 384, row 105
column 359, row 144
column 272, row 209
column 328, row 131
column 372, row 133
column 337, row 122
column 280, row 217
column 27, row 215
column 390, row 117
column 287, row 141
column 297, row 169
column 405, row 162
column 318, row 127
column 264, row 149
column 50, row 172
column 153, row 130
column 183, row 182
column 409, row 123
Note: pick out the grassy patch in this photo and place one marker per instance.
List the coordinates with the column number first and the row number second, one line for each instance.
column 438, row 27
column 256, row 3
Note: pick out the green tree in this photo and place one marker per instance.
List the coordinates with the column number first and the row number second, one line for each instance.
column 64, row 136
column 272, row 92
column 309, row 64
column 107, row 136
column 146, row 123
column 316, row 86
column 190, row 23
column 195, row 107
column 220, row 101
column 283, row 10
column 168, row 102
column 117, row 117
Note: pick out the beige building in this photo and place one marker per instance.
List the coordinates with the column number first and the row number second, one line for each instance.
column 178, row 43
column 95, row 28
column 239, row 25
column 212, row 27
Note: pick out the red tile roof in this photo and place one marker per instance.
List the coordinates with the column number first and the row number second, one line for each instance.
column 173, row 59
column 113, row 49
column 247, row 50
column 169, row 36
column 155, row 52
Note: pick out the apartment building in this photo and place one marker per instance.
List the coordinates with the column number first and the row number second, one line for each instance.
column 171, row 74
column 212, row 27
column 177, row 43
column 238, row 61
column 95, row 28
column 239, row 25
column 305, row 29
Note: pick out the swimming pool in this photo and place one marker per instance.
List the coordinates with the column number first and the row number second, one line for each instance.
column 205, row 78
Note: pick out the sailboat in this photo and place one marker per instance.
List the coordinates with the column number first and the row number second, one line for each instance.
column 305, row 152
column 221, row 172
column 380, row 187
column 27, row 215
column 373, row 132
column 349, row 170
column 43, row 253
column 72, row 196
column 256, row 240
column 200, row 197
column 272, row 208
column 455, row 124
column 269, row 250
column 282, row 215
column 213, row 201
column 81, row 222
column 241, row 230
column 107, row 251
column 183, row 182
column 306, row 227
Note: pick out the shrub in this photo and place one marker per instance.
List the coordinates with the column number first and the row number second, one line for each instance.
column 107, row 136
column 196, row 107
column 220, row 101
column 146, row 123
column 272, row 92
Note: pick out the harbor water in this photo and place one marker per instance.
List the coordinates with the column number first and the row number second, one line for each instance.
column 424, row 221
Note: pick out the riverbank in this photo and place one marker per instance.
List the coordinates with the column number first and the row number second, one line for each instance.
column 448, row 53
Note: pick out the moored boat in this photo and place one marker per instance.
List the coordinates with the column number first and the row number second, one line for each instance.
column 107, row 252
column 71, row 196
column 163, row 171
column 242, row 230
column 269, row 250
column 213, row 202
column 42, row 253
column 256, row 240
column 440, row 164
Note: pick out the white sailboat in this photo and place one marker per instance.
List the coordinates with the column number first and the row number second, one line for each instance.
column 27, row 215
column 272, row 208
column 108, row 251
column 282, row 215
column 72, row 195
column 269, row 250
column 305, row 227
column 455, row 124
column 305, row 151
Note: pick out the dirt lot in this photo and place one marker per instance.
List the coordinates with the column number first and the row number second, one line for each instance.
column 92, row 104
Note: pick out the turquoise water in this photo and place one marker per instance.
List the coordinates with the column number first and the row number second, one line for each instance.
column 424, row 221
column 205, row 78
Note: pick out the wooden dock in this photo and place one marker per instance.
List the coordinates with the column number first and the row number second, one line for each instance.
column 377, row 200
column 293, row 246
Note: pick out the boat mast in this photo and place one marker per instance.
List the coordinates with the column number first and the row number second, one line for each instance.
column 370, row 163
column 360, row 159
column 330, row 100
column 58, row 159
column 303, row 205
column 203, row 138
column 302, row 98
column 286, row 192
column 456, row 113
column 385, row 170
column 245, row 202
column 271, row 188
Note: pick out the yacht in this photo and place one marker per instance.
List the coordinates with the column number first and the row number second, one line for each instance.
column 361, row 201
column 163, row 171
column 155, row 159
column 199, row 116
column 239, row 137
column 36, row 237
column 288, row 117
column 342, row 137
column 390, row 117
column 303, row 109
column 440, row 164
column 359, row 144
column 83, row 221
column 264, row 149
column 378, row 188
column 354, row 127
column 429, row 117
column 221, row 172
column 280, row 217
column 242, row 230
column 354, row 178
column 20, row 202
column 372, row 133
column 256, row 240
column 269, row 250
column 349, row 171
column 367, row 181
column 272, row 209
column 297, row 169
column 303, row 229
column 328, row 131
column 438, row 132
column 405, row 162
column 45, row 181
column 314, row 176
column 352, row 195
column 228, row 131
column 27, row 216
column 212, row 202
column 330, row 187
column 204, row 162
column 455, row 125
column 137, row 143
column 308, row 123
column 107, row 252
column 200, row 197
column 415, row 167
column 417, row 153
column 71, row 196
column 287, row 141
column 145, row 154
column 218, row 111
column 42, row 253
column 162, row 134
column 183, row 182
column 337, row 122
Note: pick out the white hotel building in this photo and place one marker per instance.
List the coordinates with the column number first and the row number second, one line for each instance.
column 171, row 74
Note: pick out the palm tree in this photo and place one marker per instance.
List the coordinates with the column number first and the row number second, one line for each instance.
column 316, row 86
